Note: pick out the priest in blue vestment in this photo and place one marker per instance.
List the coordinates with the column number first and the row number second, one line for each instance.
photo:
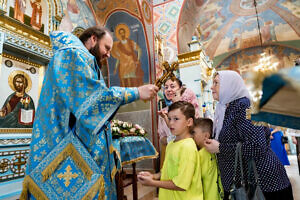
column 71, row 153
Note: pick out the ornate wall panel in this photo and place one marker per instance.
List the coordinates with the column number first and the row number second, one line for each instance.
column 25, row 50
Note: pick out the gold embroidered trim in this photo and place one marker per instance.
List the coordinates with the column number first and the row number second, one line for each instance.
column 33, row 188
column 136, row 159
column 68, row 151
column 111, row 149
column 97, row 187
column 139, row 158
column 101, row 189
column 117, row 153
column 113, row 172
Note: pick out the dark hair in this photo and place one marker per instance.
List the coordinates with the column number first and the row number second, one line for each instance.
column 186, row 108
column 175, row 79
column 23, row 77
column 179, row 82
column 98, row 31
column 205, row 124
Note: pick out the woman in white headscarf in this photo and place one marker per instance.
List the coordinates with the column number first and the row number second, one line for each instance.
column 232, row 126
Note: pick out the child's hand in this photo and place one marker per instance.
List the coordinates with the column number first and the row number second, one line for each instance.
column 212, row 145
column 146, row 174
column 145, row 179
column 163, row 113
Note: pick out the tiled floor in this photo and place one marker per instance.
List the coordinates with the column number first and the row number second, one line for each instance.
column 294, row 177
column 144, row 193
column 149, row 193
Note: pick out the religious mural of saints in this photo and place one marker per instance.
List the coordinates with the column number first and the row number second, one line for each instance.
column 146, row 12
column 127, row 53
column 20, row 6
column 79, row 13
column 36, row 17
column 18, row 109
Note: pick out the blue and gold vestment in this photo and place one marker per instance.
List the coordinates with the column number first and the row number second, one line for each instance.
column 78, row 163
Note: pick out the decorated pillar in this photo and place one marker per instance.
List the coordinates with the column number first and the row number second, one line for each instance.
column 1, row 46
column 195, row 70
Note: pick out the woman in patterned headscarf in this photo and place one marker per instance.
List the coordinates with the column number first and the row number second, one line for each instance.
column 232, row 126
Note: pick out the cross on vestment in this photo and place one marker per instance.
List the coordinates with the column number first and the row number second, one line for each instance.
column 167, row 73
column 68, row 175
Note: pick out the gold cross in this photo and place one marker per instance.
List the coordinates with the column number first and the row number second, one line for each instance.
column 168, row 73
column 67, row 175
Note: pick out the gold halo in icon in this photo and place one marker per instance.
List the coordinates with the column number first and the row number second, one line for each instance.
column 11, row 79
column 122, row 26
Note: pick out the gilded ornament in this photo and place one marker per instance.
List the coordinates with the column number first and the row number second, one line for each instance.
column 167, row 73
column 67, row 176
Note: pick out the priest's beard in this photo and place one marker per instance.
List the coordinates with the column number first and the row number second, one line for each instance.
column 95, row 51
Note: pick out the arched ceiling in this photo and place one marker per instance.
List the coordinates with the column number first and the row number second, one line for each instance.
column 231, row 25
column 103, row 8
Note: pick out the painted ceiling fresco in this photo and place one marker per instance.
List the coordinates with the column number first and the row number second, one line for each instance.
column 79, row 12
column 232, row 25
column 165, row 18
column 103, row 8
column 156, row 2
column 248, row 59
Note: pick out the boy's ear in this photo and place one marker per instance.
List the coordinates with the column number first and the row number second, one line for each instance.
column 190, row 122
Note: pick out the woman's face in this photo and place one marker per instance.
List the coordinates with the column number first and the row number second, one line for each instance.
column 170, row 89
column 216, row 87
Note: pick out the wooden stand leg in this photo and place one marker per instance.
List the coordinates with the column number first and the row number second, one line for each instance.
column 134, row 182
column 119, row 185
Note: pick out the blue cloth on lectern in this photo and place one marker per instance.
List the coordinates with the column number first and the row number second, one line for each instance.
column 133, row 149
column 73, row 86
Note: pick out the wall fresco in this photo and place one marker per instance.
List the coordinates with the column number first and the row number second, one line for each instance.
column 103, row 8
column 129, row 61
column 33, row 13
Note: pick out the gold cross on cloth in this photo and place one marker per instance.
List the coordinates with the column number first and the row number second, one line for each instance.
column 68, row 175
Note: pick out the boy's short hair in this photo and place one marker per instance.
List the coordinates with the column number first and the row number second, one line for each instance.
column 205, row 124
column 186, row 108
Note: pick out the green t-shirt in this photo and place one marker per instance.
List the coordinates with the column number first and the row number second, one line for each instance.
column 212, row 187
column 182, row 166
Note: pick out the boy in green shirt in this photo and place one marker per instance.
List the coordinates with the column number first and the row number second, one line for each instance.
column 180, row 175
column 211, row 181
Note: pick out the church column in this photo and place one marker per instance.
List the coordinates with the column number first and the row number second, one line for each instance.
column 1, row 46
column 195, row 70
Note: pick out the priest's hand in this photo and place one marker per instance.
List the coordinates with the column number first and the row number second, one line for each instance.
column 147, row 92
column 212, row 146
